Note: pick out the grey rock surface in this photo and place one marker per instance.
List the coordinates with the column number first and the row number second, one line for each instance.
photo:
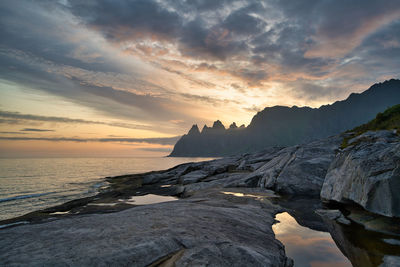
column 333, row 215
column 193, row 177
column 367, row 173
column 226, row 213
column 298, row 170
column 209, row 229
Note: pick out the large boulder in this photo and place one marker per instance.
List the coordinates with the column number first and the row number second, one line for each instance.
column 298, row 170
column 367, row 172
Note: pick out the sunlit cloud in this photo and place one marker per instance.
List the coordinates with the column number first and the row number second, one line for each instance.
column 160, row 66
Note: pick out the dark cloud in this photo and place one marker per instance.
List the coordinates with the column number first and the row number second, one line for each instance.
column 304, row 89
column 10, row 121
column 253, row 109
column 251, row 76
column 199, row 41
column 35, row 130
column 147, row 19
column 341, row 18
column 244, row 22
column 161, row 140
column 285, row 46
column 16, row 117
column 204, row 5
column 256, row 41
column 12, row 133
column 207, row 99
column 157, row 149
column 26, row 26
column 120, row 20
column 240, row 32
column 239, row 88
column 381, row 48
column 334, row 17
column 189, row 78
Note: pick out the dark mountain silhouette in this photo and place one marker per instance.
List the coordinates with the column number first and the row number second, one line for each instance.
column 283, row 126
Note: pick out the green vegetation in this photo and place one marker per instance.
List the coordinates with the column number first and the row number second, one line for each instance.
column 388, row 120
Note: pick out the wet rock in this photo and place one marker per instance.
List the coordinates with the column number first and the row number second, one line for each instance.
column 374, row 222
column 362, row 247
column 336, row 215
column 367, row 173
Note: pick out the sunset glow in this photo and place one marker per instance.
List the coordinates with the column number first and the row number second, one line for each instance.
column 73, row 72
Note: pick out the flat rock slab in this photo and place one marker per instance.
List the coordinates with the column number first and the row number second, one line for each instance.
column 214, row 229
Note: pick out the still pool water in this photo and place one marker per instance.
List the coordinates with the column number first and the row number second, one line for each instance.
column 308, row 248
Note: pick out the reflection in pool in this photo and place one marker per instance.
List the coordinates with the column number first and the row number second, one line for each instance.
column 257, row 195
column 148, row 199
column 308, row 248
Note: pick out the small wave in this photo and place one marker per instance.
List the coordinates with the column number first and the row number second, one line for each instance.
column 98, row 187
column 24, row 196
column 100, row 184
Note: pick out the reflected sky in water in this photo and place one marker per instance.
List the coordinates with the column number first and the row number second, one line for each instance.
column 308, row 248
column 258, row 195
column 149, row 199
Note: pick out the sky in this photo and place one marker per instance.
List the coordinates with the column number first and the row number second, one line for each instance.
column 127, row 78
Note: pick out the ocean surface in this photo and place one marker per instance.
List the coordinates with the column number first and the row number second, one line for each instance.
column 29, row 184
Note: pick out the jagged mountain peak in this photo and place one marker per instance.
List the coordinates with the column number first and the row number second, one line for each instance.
column 233, row 126
column 217, row 125
column 194, row 130
column 205, row 129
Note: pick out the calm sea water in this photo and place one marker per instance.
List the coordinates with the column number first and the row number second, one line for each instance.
column 29, row 184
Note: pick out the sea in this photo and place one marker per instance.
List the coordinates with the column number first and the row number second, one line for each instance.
column 30, row 184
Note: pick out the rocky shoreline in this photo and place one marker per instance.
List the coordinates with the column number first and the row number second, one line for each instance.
column 226, row 210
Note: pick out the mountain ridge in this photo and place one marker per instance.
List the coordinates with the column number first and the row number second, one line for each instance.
column 283, row 126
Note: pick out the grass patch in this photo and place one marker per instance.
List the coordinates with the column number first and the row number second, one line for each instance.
column 387, row 120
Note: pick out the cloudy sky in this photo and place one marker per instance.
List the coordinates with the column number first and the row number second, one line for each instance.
column 109, row 77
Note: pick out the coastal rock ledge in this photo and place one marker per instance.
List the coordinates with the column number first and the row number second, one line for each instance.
column 225, row 211
column 209, row 229
column 367, row 173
